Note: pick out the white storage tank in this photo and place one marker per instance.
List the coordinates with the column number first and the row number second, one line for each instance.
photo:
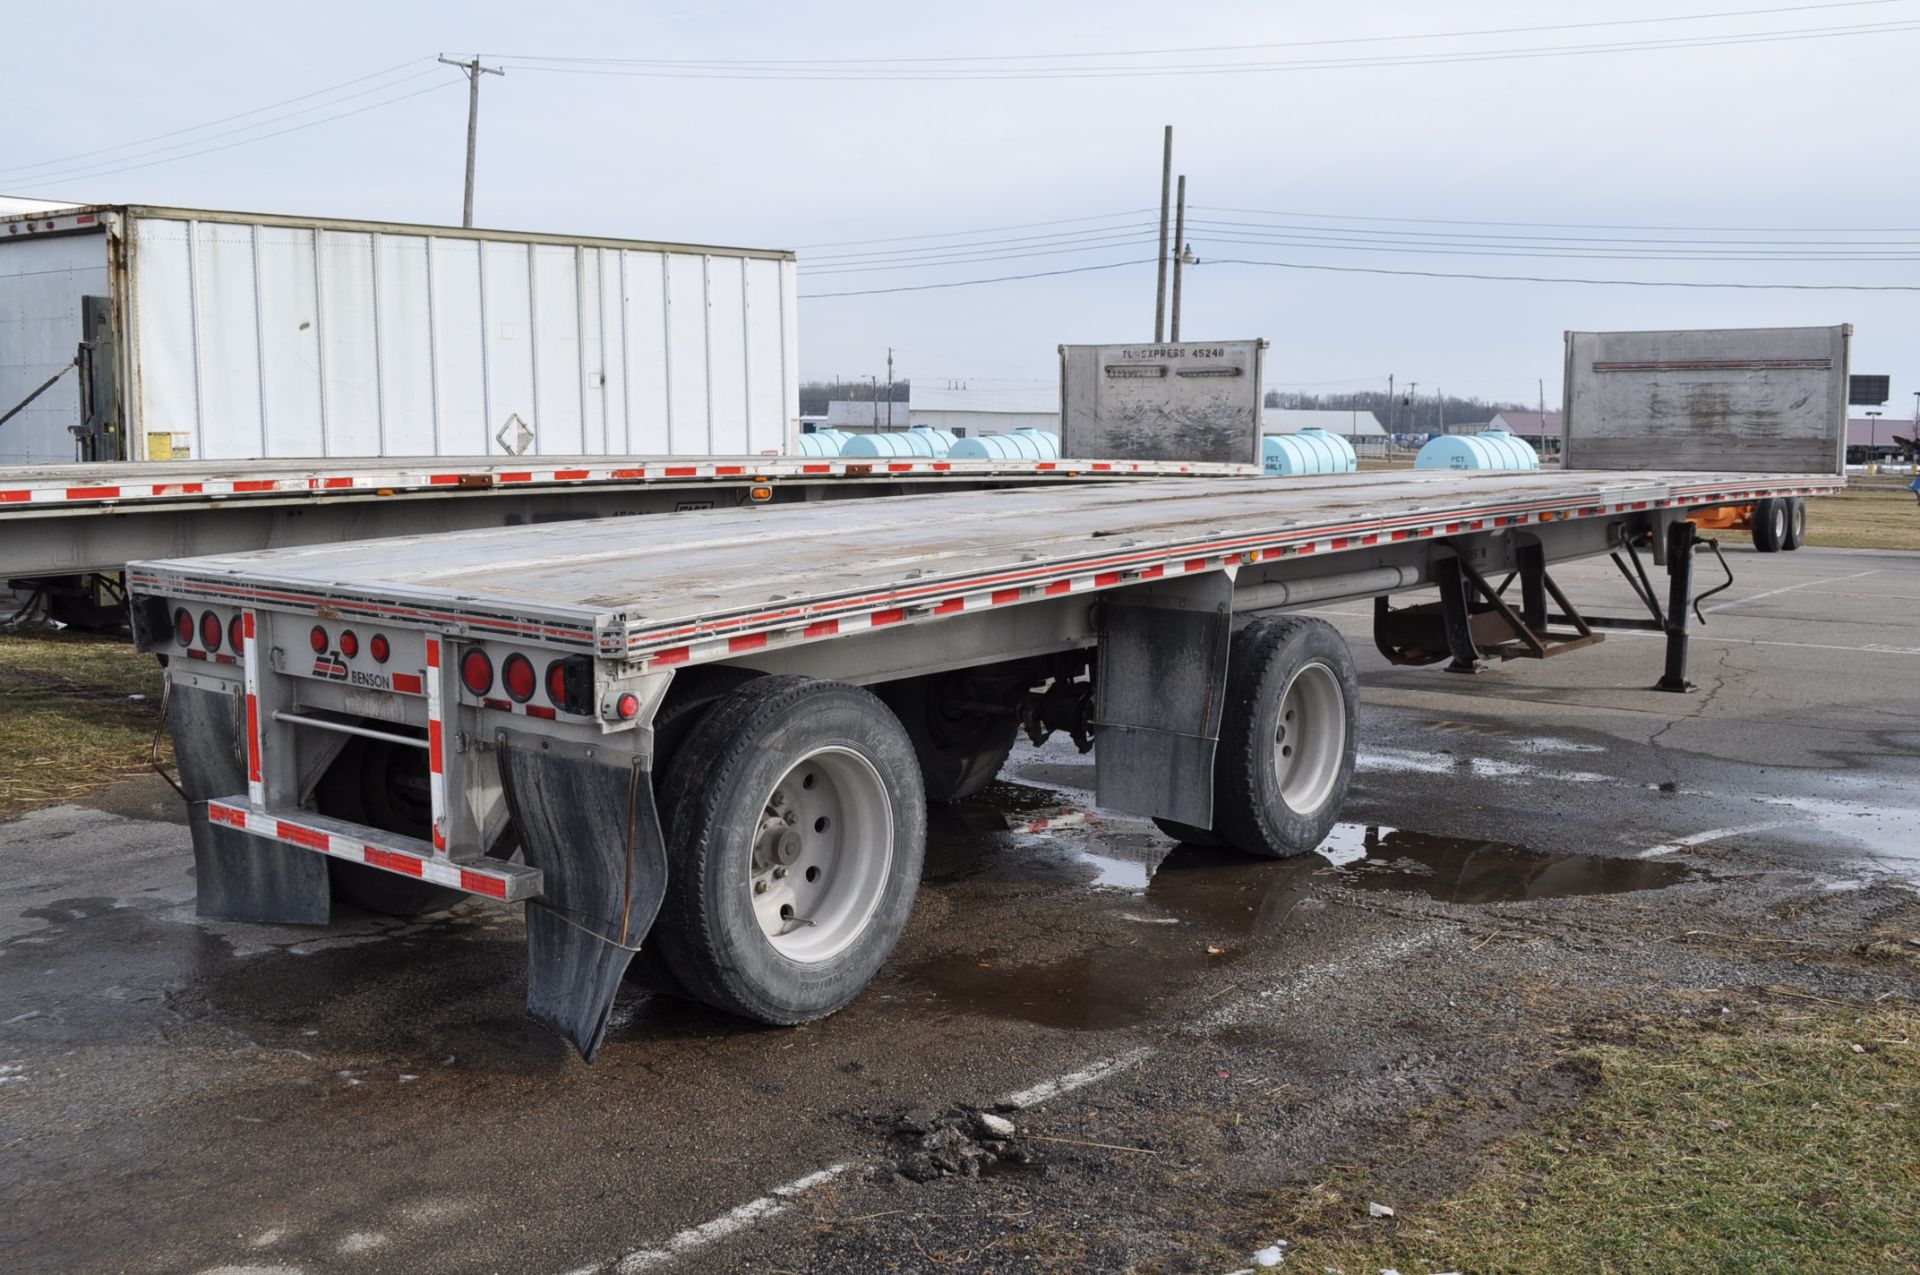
column 921, row 440
column 1489, row 449
column 1311, row 451
column 1025, row 443
column 823, row 442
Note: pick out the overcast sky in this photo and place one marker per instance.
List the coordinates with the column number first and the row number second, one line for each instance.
column 1806, row 134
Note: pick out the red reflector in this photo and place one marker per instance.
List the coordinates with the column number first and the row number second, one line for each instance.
column 517, row 675
column 628, row 706
column 236, row 635
column 183, row 626
column 211, row 630
column 557, row 683
column 349, row 644
column 379, row 649
column 476, row 670
column 318, row 640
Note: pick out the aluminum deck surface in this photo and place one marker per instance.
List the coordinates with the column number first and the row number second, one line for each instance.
column 638, row 585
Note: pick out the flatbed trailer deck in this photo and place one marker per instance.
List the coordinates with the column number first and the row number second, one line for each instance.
column 654, row 732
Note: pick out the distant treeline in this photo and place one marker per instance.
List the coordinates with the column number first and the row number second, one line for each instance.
column 815, row 395
column 1415, row 416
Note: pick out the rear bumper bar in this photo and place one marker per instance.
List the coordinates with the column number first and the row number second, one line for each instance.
column 403, row 856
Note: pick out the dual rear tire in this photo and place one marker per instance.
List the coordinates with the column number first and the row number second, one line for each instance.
column 1779, row 524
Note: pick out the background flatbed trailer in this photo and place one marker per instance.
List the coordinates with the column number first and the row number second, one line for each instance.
column 619, row 722
column 70, row 520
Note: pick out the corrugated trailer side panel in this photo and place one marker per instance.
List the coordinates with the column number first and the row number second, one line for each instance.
column 285, row 340
column 41, row 283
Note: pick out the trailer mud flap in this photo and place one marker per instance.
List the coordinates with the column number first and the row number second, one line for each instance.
column 587, row 820
column 1162, row 676
column 237, row 877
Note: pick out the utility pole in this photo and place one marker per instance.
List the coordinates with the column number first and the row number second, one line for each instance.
column 473, row 71
column 1413, row 407
column 1389, row 412
column 889, row 387
column 1440, row 410
column 1166, row 193
column 1179, row 255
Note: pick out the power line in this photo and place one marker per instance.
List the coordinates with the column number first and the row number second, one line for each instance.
column 1068, row 236
column 1496, row 250
column 258, row 110
column 960, row 259
column 923, row 75
column 984, row 230
column 1214, row 48
column 1467, row 235
column 1574, row 225
column 971, row 283
column 1620, row 283
column 245, row 141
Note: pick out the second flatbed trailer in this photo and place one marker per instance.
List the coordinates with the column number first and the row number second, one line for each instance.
column 712, row 739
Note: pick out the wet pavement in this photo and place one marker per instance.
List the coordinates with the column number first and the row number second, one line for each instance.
column 188, row 1096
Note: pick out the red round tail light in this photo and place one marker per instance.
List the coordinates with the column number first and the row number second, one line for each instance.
column 517, row 675
column 628, row 706
column 379, row 649
column 211, row 630
column 557, row 683
column 476, row 670
column 183, row 626
column 318, row 640
column 349, row 644
column 236, row 635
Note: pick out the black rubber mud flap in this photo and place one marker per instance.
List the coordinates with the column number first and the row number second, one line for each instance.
column 587, row 820
column 1163, row 671
column 237, row 877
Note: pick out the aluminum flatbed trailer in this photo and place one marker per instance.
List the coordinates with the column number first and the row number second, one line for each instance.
column 711, row 740
column 73, row 520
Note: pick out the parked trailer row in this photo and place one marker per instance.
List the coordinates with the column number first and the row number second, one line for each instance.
column 713, row 740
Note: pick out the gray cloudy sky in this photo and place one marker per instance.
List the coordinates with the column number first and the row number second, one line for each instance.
column 1805, row 133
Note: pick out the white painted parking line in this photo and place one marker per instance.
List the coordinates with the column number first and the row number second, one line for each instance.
column 1049, row 1089
column 1786, row 588
column 732, row 1222
column 1711, row 834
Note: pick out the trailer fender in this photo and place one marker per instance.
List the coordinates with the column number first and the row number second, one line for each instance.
column 587, row 819
column 1162, row 678
column 237, row 876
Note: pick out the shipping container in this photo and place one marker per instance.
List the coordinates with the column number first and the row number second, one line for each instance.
column 228, row 336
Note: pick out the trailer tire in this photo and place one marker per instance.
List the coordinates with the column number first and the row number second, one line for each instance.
column 1796, row 524
column 1286, row 753
column 831, row 763
column 959, row 754
column 1771, row 520
column 382, row 785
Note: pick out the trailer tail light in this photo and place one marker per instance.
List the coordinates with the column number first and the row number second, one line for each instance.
column 236, row 635
column 183, row 626
column 318, row 640
column 627, row 706
column 211, row 630
column 476, row 670
column 379, row 649
column 570, row 685
column 349, row 644
column 517, row 675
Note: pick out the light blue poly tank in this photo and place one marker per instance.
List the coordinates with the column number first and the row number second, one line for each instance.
column 921, row 440
column 1021, row 444
column 823, row 442
column 1311, row 451
column 1490, row 449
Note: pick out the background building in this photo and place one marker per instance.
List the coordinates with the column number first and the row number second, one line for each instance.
column 970, row 407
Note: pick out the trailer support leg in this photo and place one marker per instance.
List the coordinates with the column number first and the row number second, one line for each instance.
column 237, row 876
column 1456, row 611
column 587, row 820
column 1680, row 543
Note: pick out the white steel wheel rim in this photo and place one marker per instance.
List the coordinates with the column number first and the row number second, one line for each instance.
column 1799, row 521
column 822, row 855
column 1310, row 738
column 1779, row 523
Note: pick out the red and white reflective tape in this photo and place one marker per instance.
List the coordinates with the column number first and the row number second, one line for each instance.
column 436, row 745
column 508, row 882
column 256, row 780
column 88, row 485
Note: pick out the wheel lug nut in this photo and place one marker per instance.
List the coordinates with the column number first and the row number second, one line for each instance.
column 779, row 797
column 779, row 874
column 759, row 887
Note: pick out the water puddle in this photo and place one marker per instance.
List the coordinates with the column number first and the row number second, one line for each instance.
column 1189, row 912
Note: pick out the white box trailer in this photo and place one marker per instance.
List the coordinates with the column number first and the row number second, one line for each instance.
column 219, row 336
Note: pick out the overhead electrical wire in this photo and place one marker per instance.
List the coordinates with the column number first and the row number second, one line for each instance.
column 64, row 160
column 1217, row 48
column 983, row 230
column 1568, row 225
column 1500, row 250
column 814, row 72
column 1065, row 236
column 1616, row 283
column 1380, row 233
column 971, row 283
column 1141, row 241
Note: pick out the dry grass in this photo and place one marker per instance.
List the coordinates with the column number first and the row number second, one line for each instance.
column 1786, row 1142
column 73, row 722
column 1869, row 514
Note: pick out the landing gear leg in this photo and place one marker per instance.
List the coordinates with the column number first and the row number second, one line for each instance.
column 1681, row 538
